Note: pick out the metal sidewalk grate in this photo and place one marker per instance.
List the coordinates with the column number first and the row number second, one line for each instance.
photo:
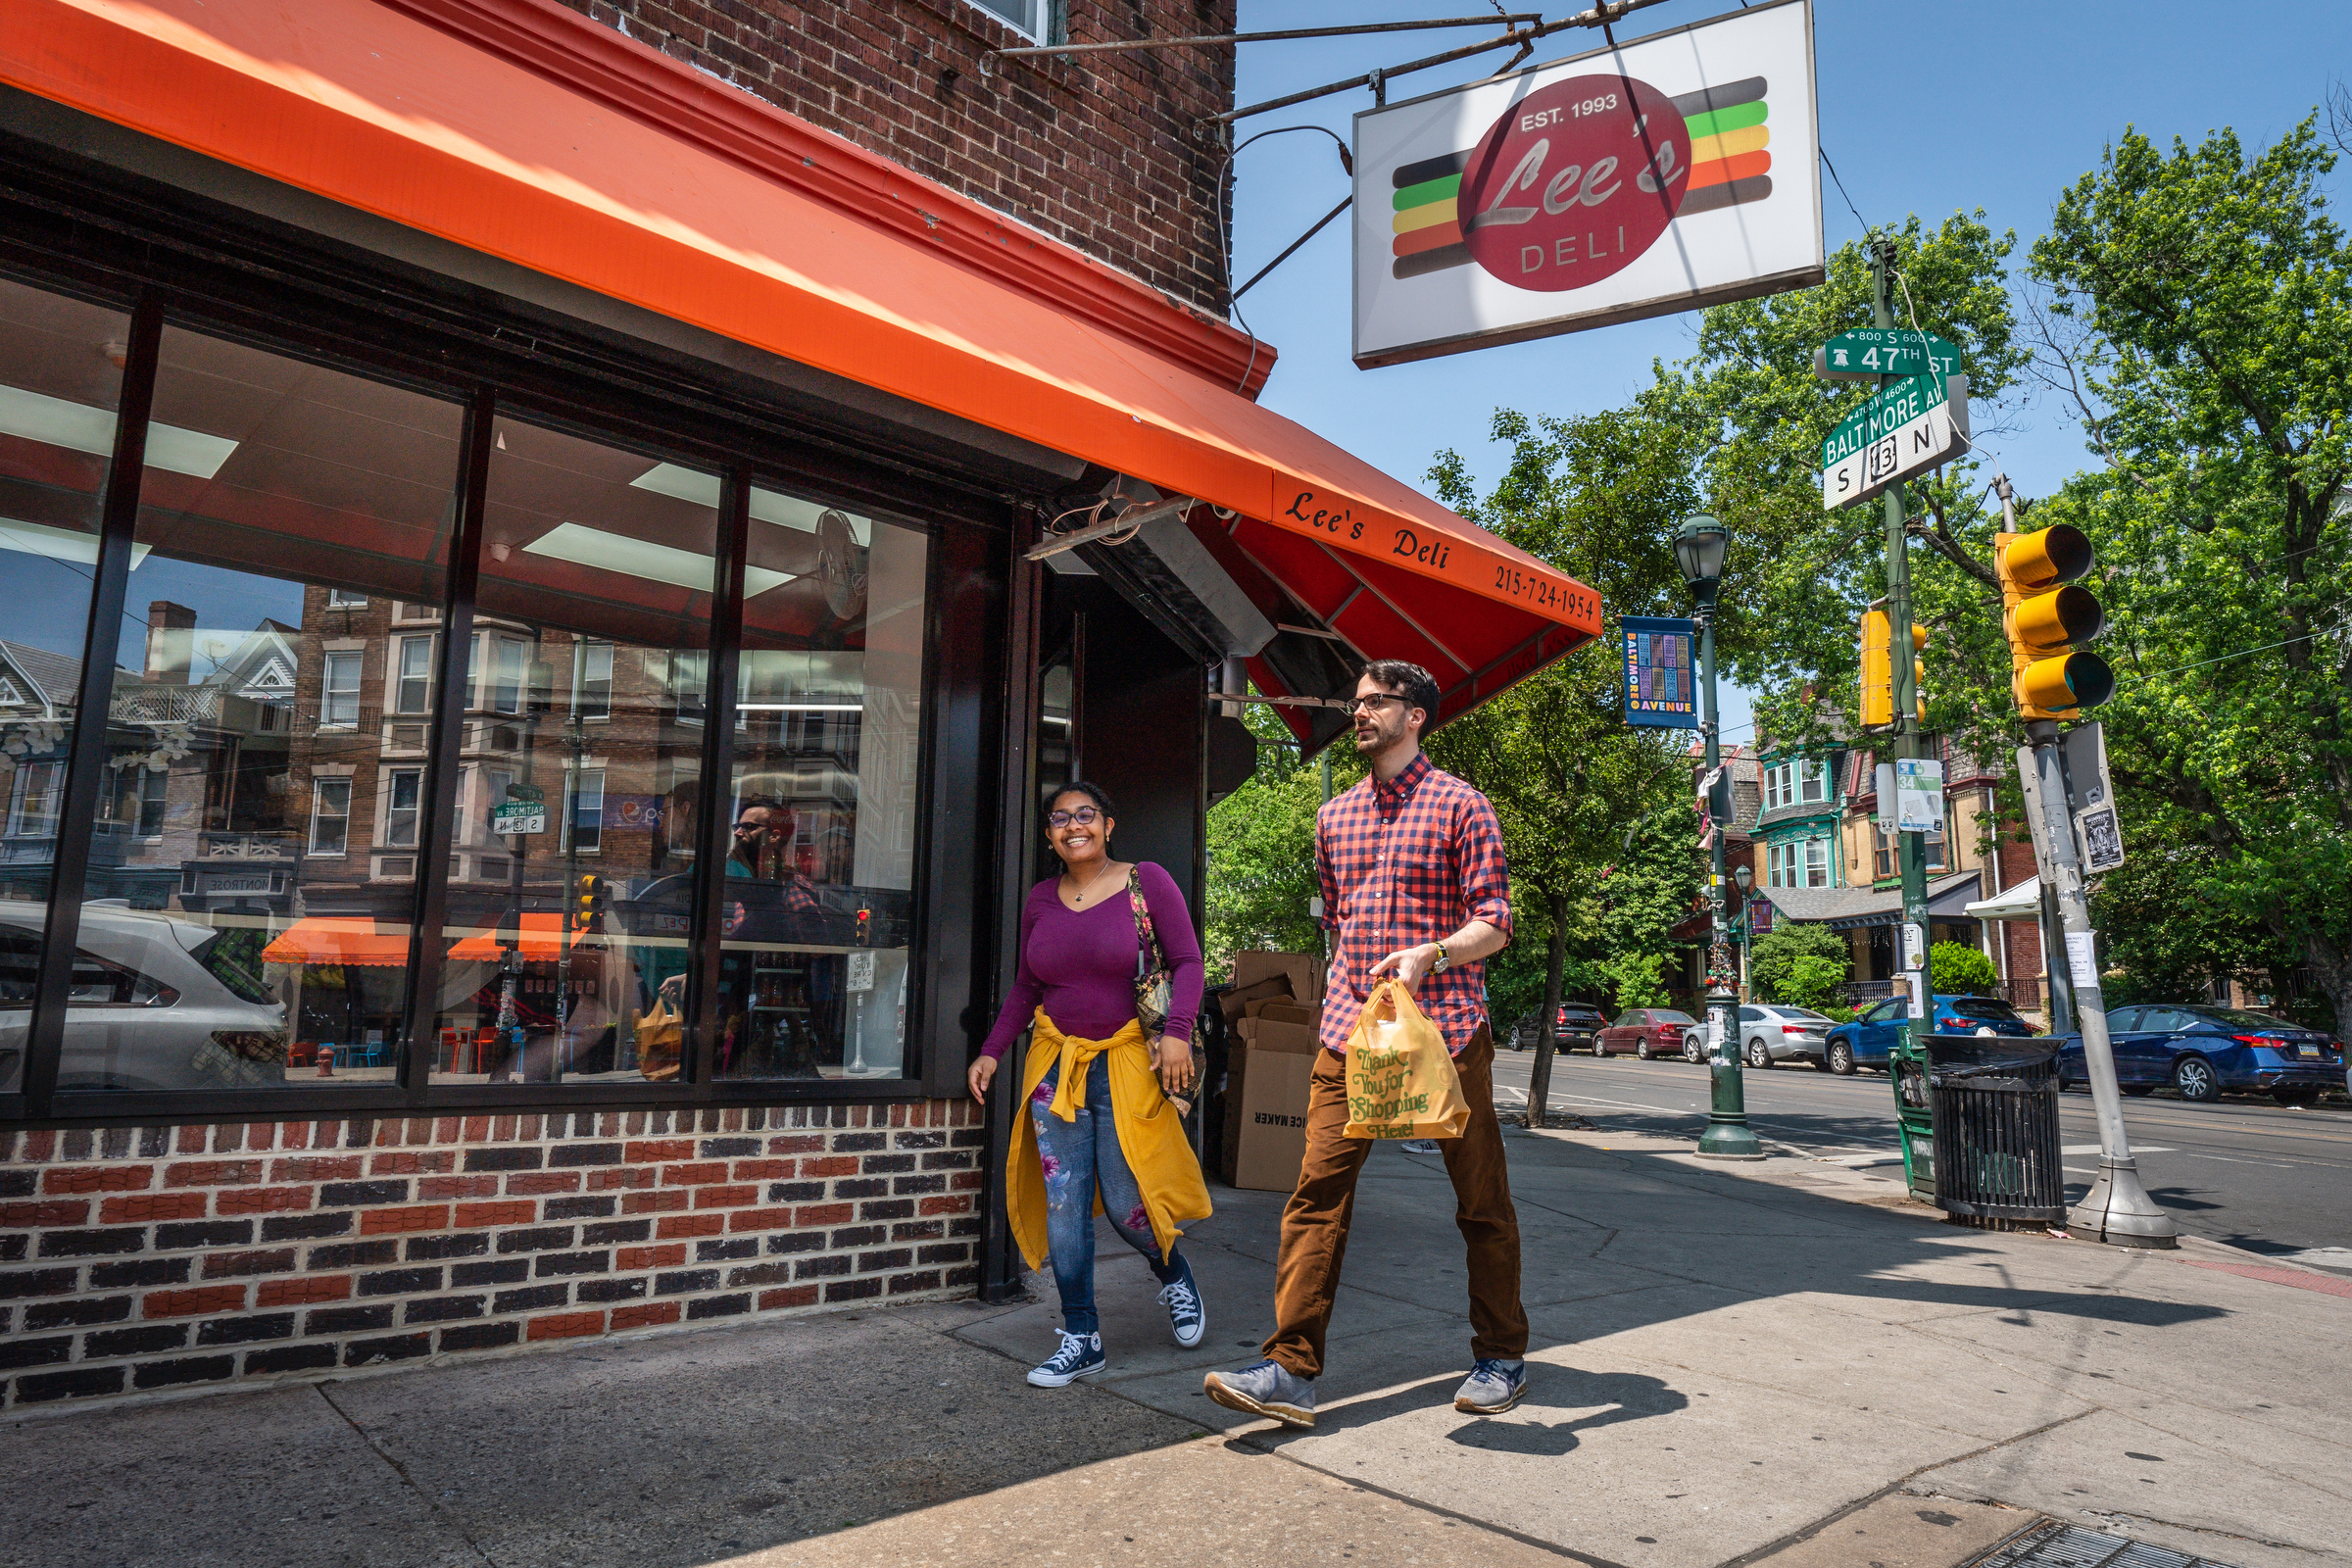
column 2052, row 1545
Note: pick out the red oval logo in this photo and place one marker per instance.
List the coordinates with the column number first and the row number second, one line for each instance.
column 1575, row 182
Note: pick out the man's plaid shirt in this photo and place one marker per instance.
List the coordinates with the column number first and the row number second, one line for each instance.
column 1402, row 863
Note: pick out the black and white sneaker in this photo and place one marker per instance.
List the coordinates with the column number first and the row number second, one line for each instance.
column 1080, row 1356
column 1187, row 1319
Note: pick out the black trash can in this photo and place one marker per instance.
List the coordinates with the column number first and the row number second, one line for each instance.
column 1995, row 1107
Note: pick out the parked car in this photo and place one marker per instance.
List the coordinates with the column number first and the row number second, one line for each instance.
column 1644, row 1032
column 155, row 1003
column 1573, row 1029
column 1867, row 1041
column 1772, row 1032
column 2201, row 1051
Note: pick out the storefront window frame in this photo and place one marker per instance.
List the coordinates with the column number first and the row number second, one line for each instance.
column 452, row 689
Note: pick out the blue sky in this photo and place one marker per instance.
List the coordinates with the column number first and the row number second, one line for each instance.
column 1930, row 107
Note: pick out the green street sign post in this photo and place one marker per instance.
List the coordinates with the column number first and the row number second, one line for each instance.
column 1918, row 422
column 519, row 816
column 1874, row 351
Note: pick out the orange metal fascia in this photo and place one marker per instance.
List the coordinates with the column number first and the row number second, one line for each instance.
column 366, row 106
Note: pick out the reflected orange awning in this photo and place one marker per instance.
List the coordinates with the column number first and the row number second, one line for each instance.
column 538, row 939
column 543, row 138
column 329, row 939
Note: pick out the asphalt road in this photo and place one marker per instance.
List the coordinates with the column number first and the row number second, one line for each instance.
column 2241, row 1170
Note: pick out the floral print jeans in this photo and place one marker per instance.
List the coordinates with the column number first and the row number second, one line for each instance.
column 1077, row 1156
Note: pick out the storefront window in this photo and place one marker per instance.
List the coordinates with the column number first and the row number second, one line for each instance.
column 570, row 886
column 241, row 926
column 60, row 378
column 819, row 909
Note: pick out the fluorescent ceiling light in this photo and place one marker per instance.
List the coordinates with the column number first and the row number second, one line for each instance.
column 802, row 707
column 58, row 544
column 786, row 511
column 584, row 546
column 78, row 427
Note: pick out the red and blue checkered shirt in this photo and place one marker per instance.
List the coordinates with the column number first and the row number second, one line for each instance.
column 1402, row 863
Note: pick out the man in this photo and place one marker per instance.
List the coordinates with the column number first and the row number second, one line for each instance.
column 1413, row 880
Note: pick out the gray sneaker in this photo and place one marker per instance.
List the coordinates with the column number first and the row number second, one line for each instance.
column 1268, row 1389
column 1491, row 1388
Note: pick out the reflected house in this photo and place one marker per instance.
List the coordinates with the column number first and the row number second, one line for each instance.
column 564, row 568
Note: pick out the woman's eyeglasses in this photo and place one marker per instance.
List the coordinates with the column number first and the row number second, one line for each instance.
column 1084, row 816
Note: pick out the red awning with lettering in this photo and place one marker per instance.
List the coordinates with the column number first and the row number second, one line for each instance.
column 523, row 130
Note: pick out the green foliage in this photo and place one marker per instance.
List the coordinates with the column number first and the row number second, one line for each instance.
column 1813, row 982
column 2168, row 939
column 1962, row 971
column 1635, row 977
column 1771, row 963
column 1262, row 869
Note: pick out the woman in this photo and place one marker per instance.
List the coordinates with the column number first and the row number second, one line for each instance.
column 1098, row 1113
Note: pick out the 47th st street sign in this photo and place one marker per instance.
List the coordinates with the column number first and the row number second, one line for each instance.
column 1918, row 422
column 1870, row 352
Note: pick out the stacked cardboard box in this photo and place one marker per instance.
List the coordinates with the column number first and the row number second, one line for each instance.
column 1274, row 1012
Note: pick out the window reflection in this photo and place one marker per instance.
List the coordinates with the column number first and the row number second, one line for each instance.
column 571, row 878
column 60, row 375
column 250, row 908
column 818, row 903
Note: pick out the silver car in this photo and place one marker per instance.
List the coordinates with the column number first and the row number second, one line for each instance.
column 1771, row 1032
column 155, row 1003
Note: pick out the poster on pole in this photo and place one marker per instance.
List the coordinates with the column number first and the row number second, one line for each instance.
column 1661, row 175
column 1661, row 671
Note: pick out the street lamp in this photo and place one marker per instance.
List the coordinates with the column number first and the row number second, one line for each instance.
column 1745, row 877
column 1699, row 546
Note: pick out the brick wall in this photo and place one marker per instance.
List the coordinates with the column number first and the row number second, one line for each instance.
column 1101, row 152
column 135, row 1259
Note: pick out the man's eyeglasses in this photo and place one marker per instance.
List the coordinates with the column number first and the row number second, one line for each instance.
column 1371, row 704
column 1084, row 816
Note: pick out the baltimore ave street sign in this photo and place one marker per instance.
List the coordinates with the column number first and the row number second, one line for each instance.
column 1918, row 422
column 1876, row 351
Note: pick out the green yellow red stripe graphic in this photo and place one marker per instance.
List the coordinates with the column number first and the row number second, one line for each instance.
column 1730, row 163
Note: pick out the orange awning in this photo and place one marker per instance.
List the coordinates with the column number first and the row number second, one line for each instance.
column 616, row 169
column 538, row 939
column 331, row 939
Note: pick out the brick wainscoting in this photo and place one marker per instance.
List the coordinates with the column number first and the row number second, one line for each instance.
column 144, row 1258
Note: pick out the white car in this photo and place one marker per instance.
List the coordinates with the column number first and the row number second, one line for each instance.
column 1771, row 1032
column 155, row 1004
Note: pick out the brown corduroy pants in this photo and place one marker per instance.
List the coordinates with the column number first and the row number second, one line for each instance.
column 1314, row 1223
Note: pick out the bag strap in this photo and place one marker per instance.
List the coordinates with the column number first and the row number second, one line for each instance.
column 1147, row 958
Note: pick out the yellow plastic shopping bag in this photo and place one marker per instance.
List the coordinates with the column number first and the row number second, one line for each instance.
column 1401, row 1080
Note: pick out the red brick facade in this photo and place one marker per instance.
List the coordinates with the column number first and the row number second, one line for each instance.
column 135, row 1259
column 1109, row 153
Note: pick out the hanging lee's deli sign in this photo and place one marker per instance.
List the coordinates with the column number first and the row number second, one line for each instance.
column 1668, row 174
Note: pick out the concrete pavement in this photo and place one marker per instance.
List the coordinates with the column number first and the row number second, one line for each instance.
column 1781, row 1363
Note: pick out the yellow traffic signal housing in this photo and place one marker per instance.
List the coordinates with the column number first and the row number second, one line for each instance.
column 2043, row 616
column 591, row 903
column 1877, row 669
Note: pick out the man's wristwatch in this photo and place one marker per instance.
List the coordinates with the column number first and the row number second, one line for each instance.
column 1439, row 966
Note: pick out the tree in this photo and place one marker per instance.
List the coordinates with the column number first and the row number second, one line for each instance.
column 1262, row 851
column 2201, row 313
column 1813, row 982
column 1961, row 970
column 1771, row 962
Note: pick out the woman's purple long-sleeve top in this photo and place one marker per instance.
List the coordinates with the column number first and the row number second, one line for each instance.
column 1079, row 964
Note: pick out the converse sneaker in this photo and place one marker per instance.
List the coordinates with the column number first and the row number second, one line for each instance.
column 1491, row 1388
column 1080, row 1356
column 1187, row 1319
column 1268, row 1389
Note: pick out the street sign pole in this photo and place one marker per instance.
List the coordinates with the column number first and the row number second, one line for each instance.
column 1910, row 843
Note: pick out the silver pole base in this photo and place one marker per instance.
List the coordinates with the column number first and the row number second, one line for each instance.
column 2119, row 1211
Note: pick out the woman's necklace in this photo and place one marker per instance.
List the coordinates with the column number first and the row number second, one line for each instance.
column 1079, row 897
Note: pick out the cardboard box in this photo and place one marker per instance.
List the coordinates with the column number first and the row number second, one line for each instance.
column 1302, row 970
column 1265, row 1109
column 1235, row 1000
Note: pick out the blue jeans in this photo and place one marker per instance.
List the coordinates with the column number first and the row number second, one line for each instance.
column 1077, row 1157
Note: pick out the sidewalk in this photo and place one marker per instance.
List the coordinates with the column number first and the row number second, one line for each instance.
column 1783, row 1362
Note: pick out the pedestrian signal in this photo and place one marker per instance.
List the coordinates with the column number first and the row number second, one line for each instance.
column 2044, row 614
column 1877, row 669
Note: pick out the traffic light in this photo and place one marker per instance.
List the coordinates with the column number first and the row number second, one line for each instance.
column 592, row 900
column 2044, row 614
column 1877, row 669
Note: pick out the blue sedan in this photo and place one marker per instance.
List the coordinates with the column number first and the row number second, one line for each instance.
column 1867, row 1041
column 2203, row 1050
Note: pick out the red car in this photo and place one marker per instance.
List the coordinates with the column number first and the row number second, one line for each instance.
column 1645, row 1032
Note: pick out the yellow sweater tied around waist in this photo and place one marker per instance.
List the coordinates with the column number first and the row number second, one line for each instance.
column 1150, row 1131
